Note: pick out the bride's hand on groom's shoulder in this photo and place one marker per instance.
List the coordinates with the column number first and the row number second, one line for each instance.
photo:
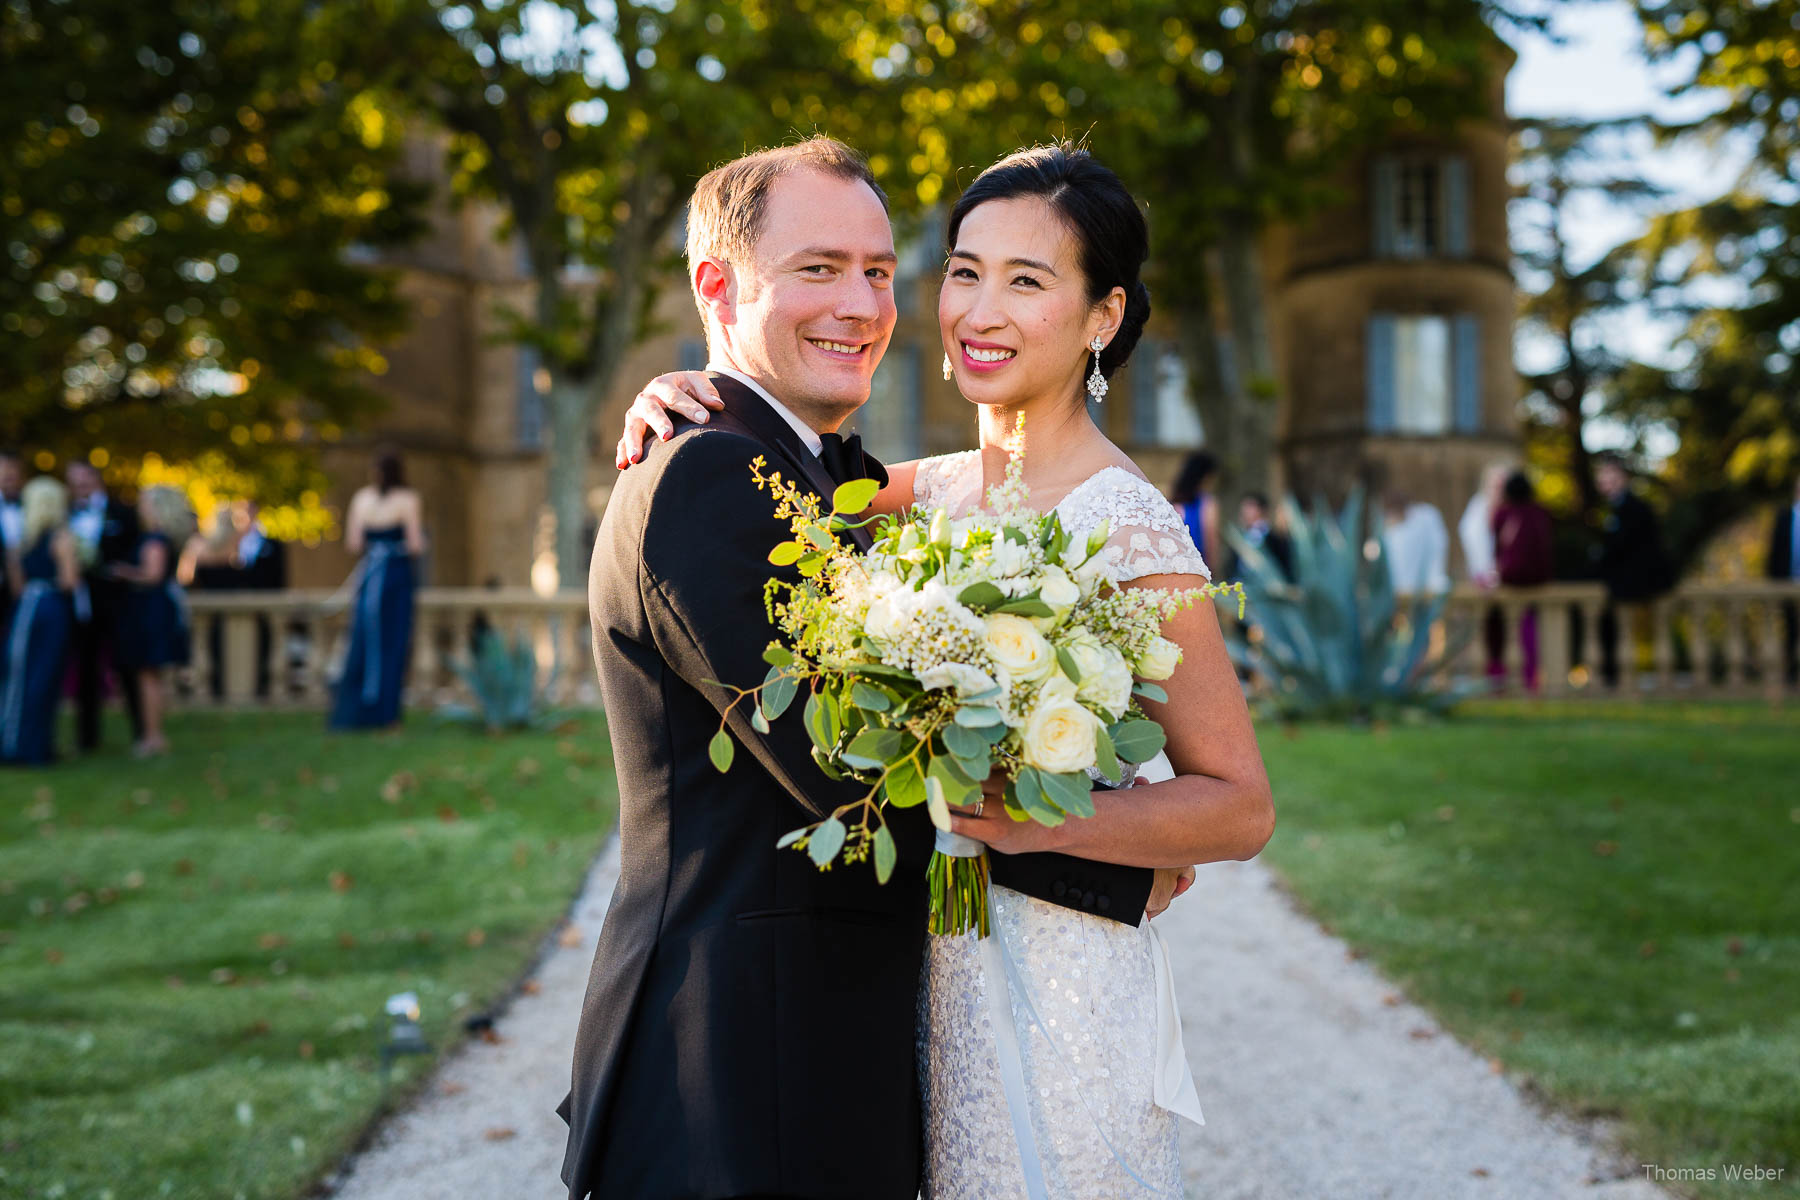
column 688, row 394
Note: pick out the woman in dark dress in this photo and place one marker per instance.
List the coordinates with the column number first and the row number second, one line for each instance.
column 155, row 633
column 385, row 526
column 1524, row 554
column 42, row 580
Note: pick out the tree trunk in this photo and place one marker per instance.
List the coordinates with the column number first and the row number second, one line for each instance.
column 1213, row 398
column 1252, row 441
column 570, row 418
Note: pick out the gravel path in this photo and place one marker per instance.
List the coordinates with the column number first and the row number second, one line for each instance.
column 1316, row 1078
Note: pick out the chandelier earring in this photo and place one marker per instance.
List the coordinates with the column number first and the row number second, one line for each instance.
column 948, row 370
column 1096, row 382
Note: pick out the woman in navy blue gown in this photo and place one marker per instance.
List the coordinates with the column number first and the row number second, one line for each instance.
column 385, row 526
column 155, row 633
column 43, row 578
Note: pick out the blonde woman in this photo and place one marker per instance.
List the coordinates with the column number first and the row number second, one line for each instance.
column 155, row 634
column 42, row 577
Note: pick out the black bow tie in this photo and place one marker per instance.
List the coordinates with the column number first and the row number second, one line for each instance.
column 845, row 460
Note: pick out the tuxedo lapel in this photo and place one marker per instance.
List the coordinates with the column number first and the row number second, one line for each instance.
column 753, row 414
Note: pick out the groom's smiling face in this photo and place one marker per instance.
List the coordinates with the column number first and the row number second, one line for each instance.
column 811, row 314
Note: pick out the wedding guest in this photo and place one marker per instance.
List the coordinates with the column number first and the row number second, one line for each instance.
column 106, row 534
column 1193, row 497
column 1784, row 565
column 1417, row 546
column 156, row 631
column 42, row 578
column 1524, row 556
column 1259, row 531
column 384, row 525
column 12, row 519
column 237, row 555
column 1630, row 558
column 1476, row 533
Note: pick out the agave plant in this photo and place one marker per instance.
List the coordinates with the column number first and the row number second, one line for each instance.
column 1334, row 641
column 504, row 683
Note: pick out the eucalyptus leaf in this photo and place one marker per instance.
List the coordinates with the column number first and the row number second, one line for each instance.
column 789, row 838
column 786, row 554
column 905, row 786
column 1150, row 691
column 979, row 716
column 826, row 841
column 1032, row 799
column 879, row 744
column 1071, row 793
column 981, row 595
column 870, row 697
column 779, row 693
column 1137, row 741
column 854, row 496
column 886, row 854
column 1106, row 758
column 720, row 750
column 778, row 656
column 964, row 743
column 1027, row 608
column 758, row 722
column 936, row 803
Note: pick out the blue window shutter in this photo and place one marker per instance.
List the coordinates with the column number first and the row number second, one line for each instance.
column 1455, row 172
column 1379, row 373
column 1382, row 174
column 528, row 413
column 1465, row 372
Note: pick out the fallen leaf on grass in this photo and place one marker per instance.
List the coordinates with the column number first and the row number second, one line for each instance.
column 475, row 937
column 340, row 881
column 1734, row 947
column 491, row 1036
column 271, row 941
column 224, row 976
column 1647, row 950
column 53, row 956
column 448, row 815
column 1606, row 849
column 1516, row 997
column 306, row 1049
column 1390, row 999
column 184, row 866
column 346, row 941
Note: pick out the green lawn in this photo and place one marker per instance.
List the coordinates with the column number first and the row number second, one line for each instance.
column 1605, row 899
column 195, row 952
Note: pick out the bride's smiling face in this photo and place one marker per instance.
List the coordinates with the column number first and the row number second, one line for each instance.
column 1014, row 311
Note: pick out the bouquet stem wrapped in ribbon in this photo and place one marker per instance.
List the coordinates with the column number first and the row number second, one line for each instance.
column 955, row 651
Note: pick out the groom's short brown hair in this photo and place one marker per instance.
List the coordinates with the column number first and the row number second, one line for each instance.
column 725, row 216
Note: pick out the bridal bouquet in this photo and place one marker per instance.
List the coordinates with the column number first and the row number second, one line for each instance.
column 954, row 650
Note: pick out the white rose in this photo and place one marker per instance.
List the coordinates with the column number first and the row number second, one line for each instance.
column 1058, row 590
column 1059, row 734
column 1109, row 685
column 1017, row 646
column 1159, row 659
column 885, row 618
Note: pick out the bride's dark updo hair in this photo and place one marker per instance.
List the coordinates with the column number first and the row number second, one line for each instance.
column 1105, row 220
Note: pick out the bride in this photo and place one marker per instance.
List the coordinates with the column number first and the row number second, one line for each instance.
column 1041, row 302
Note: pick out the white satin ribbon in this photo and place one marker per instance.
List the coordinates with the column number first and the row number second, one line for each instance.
column 1174, row 1084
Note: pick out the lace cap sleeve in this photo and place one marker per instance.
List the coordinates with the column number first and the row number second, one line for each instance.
column 938, row 480
column 1148, row 536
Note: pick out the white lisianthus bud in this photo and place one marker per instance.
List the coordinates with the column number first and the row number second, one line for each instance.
column 940, row 527
column 1057, row 589
column 1016, row 645
column 909, row 539
column 1159, row 659
column 1059, row 734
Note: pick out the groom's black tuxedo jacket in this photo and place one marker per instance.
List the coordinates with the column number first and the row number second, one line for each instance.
column 749, row 1021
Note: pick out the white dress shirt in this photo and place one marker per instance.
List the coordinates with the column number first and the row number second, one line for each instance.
column 1476, row 531
column 88, row 521
column 1418, row 548
column 808, row 434
column 250, row 545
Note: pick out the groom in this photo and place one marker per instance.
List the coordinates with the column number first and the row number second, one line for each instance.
column 749, row 1023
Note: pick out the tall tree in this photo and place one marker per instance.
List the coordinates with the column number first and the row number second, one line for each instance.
column 589, row 125
column 1731, row 267
column 181, row 189
column 1223, row 116
column 1571, row 300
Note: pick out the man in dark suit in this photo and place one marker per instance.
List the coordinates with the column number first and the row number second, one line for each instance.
column 749, row 1023
column 12, row 522
column 1784, row 565
column 106, row 531
column 1630, row 557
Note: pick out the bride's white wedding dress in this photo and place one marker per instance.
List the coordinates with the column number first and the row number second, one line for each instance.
column 1092, row 1054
